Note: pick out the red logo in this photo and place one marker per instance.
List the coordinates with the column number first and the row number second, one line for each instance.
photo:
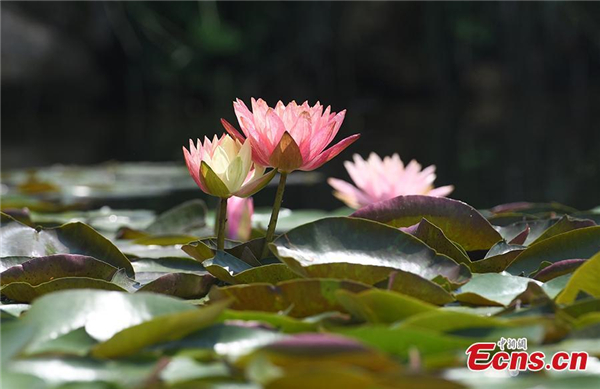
column 483, row 355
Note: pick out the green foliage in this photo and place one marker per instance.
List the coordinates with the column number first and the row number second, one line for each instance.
column 341, row 300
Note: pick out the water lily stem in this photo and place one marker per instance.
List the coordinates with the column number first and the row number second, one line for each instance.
column 222, row 222
column 274, row 214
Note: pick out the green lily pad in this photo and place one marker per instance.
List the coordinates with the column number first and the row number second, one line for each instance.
column 272, row 274
column 198, row 250
column 224, row 266
column 565, row 224
column 492, row 289
column 298, row 298
column 187, row 370
column 558, row 269
column 460, row 222
column 162, row 328
column 180, row 219
column 534, row 208
column 533, row 228
column 435, row 238
column 21, row 380
column 448, row 321
column 101, row 313
column 14, row 310
column 361, row 250
column 168, row 265
column 133, row 250
column 381, row 306
column 72, row 238
column 416, row 286
column 495, row 264
column 43, row 269
column 26, row 293
column 56, row 370
column 400, row 341
column 182, row 285
column 278, row 321
column 74, row 343
column 231, row 340
column 164, row 240
column 585, row 279
column 581, row 243
column 556, row 285
column 15, row 336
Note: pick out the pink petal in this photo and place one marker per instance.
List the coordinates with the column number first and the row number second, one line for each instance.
column 325, row 133
column 301, row 133
column 442, row 191
column 330, row 153
column 242, row 112
column 319, row 140
column 193, row 166
column 231, row 130
column 239, row 218
column 274, row 127
column 348, row 193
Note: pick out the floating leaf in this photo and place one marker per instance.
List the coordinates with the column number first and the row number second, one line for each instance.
column 553, row 287
column 361, row 250
column 399, row 341
column 77, row 343
column 224, row 266
column 557, row 269
column 168, row 265
column 198, row 250
column 181, row 370
column 521, row 237
column 164, row 240
column 272, row 274
column 26, row 293
column 180, row 219
column 381, row 306
column 581, row 243
column 565, row 224
column 158, row 329
column 232, row 340
column 416, row 286
column 584, row 280
column 43, row 269
column 72, row 238
column 492, row 289
column 534, row 228
column 182, row 285
column 133, row 250
column 533, row 208
column 277, row 321
column 435, row 238
column 298, row 298
column 448, row 321
column 15, row 336
column 582, row 307
column 496, row 263
column 56, row 371
column 459, row 221
column 101, row 313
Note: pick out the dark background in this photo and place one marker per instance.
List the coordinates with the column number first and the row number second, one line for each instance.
column 502, row 97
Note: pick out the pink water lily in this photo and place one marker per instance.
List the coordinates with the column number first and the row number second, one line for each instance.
column 289, row 137
column 377, row 180
column 223, row 167
column 239, row 218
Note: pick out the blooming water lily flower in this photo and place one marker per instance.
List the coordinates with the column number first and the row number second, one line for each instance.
column 239, row 218
column 223, row 167
column 289, row 137
column 377, row 180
